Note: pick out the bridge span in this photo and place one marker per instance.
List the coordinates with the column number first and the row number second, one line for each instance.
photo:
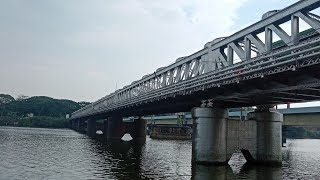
column 210, row 81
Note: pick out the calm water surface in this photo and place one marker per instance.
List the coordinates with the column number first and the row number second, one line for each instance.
column 29, row 153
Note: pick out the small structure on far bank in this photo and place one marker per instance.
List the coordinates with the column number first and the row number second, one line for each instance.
column 171, row 132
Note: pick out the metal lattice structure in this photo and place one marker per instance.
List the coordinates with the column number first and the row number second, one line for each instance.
column 214, row 66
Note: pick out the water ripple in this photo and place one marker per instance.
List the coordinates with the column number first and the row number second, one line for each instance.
column 28, row 153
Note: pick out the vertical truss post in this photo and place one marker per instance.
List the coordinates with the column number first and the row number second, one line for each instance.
column 294, row 30
column 247, row 45
column 230, row 55
column 268, row 40
column 164, row 79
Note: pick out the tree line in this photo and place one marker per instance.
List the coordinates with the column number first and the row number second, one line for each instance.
column 37, row 111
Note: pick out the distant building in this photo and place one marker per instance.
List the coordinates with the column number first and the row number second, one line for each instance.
column 30, row 115
column 67, row 116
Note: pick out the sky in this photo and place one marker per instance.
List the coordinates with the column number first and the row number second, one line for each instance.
column 84, row 49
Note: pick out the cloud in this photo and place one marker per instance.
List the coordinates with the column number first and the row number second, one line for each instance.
column 89, row 46
column 144, row 35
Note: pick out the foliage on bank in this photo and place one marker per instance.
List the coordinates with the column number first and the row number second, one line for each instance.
column 37, row 111
column 37, row 121
column 39, row 106
column 301, row 132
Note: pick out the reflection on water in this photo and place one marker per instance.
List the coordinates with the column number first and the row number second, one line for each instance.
column 246, row 172
column 28, row 153
column 212, row 172
column 301, row 158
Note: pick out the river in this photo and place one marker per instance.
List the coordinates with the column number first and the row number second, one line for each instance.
column 35, row 153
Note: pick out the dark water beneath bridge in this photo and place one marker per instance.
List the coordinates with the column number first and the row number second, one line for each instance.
column 28, row 153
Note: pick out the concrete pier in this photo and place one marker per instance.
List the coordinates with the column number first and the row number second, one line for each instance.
column 215, row 138
column 113, row 128
column 105, row 129
column 91, row 127
column 81, row 126
column 117, row 128
column 74, row 124
column 209, row 138
column 114, row 131
column 140, row 130
column 269, row 136
column 258, row 138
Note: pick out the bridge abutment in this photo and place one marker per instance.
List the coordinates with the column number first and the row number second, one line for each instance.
column 209, row 137
column 91, row 127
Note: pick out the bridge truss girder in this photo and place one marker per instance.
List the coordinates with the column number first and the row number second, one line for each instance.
column 212, row 69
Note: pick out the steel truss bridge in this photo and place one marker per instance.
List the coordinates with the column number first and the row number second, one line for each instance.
column 269, row 73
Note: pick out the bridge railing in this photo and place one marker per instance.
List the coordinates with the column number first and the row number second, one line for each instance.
column 216, row 60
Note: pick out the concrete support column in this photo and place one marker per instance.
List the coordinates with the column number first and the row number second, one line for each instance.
column 284, row 135
column 115, row 131
column 70, row 124
column 74, row 125
column 91, row 128
column 105, row 129
column 81, row 126
column 140, row 130
column 209, row 138
column 269, row 136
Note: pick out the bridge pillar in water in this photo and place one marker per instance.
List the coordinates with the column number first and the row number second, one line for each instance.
column 139, row 131
column 81, row 126
column 209, row 137
column 91, row 127
column 114, row 131
column 269, row 137
column 74, row 125
column 116, row 128
column 105, row 129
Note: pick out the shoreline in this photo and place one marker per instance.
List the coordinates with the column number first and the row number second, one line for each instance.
column 35, row 127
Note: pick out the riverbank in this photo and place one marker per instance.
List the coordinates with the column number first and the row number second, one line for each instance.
column 37, row 121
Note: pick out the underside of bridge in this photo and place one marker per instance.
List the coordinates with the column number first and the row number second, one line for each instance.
column 300, row 85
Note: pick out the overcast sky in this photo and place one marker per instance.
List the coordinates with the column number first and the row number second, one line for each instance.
column 83, row 49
